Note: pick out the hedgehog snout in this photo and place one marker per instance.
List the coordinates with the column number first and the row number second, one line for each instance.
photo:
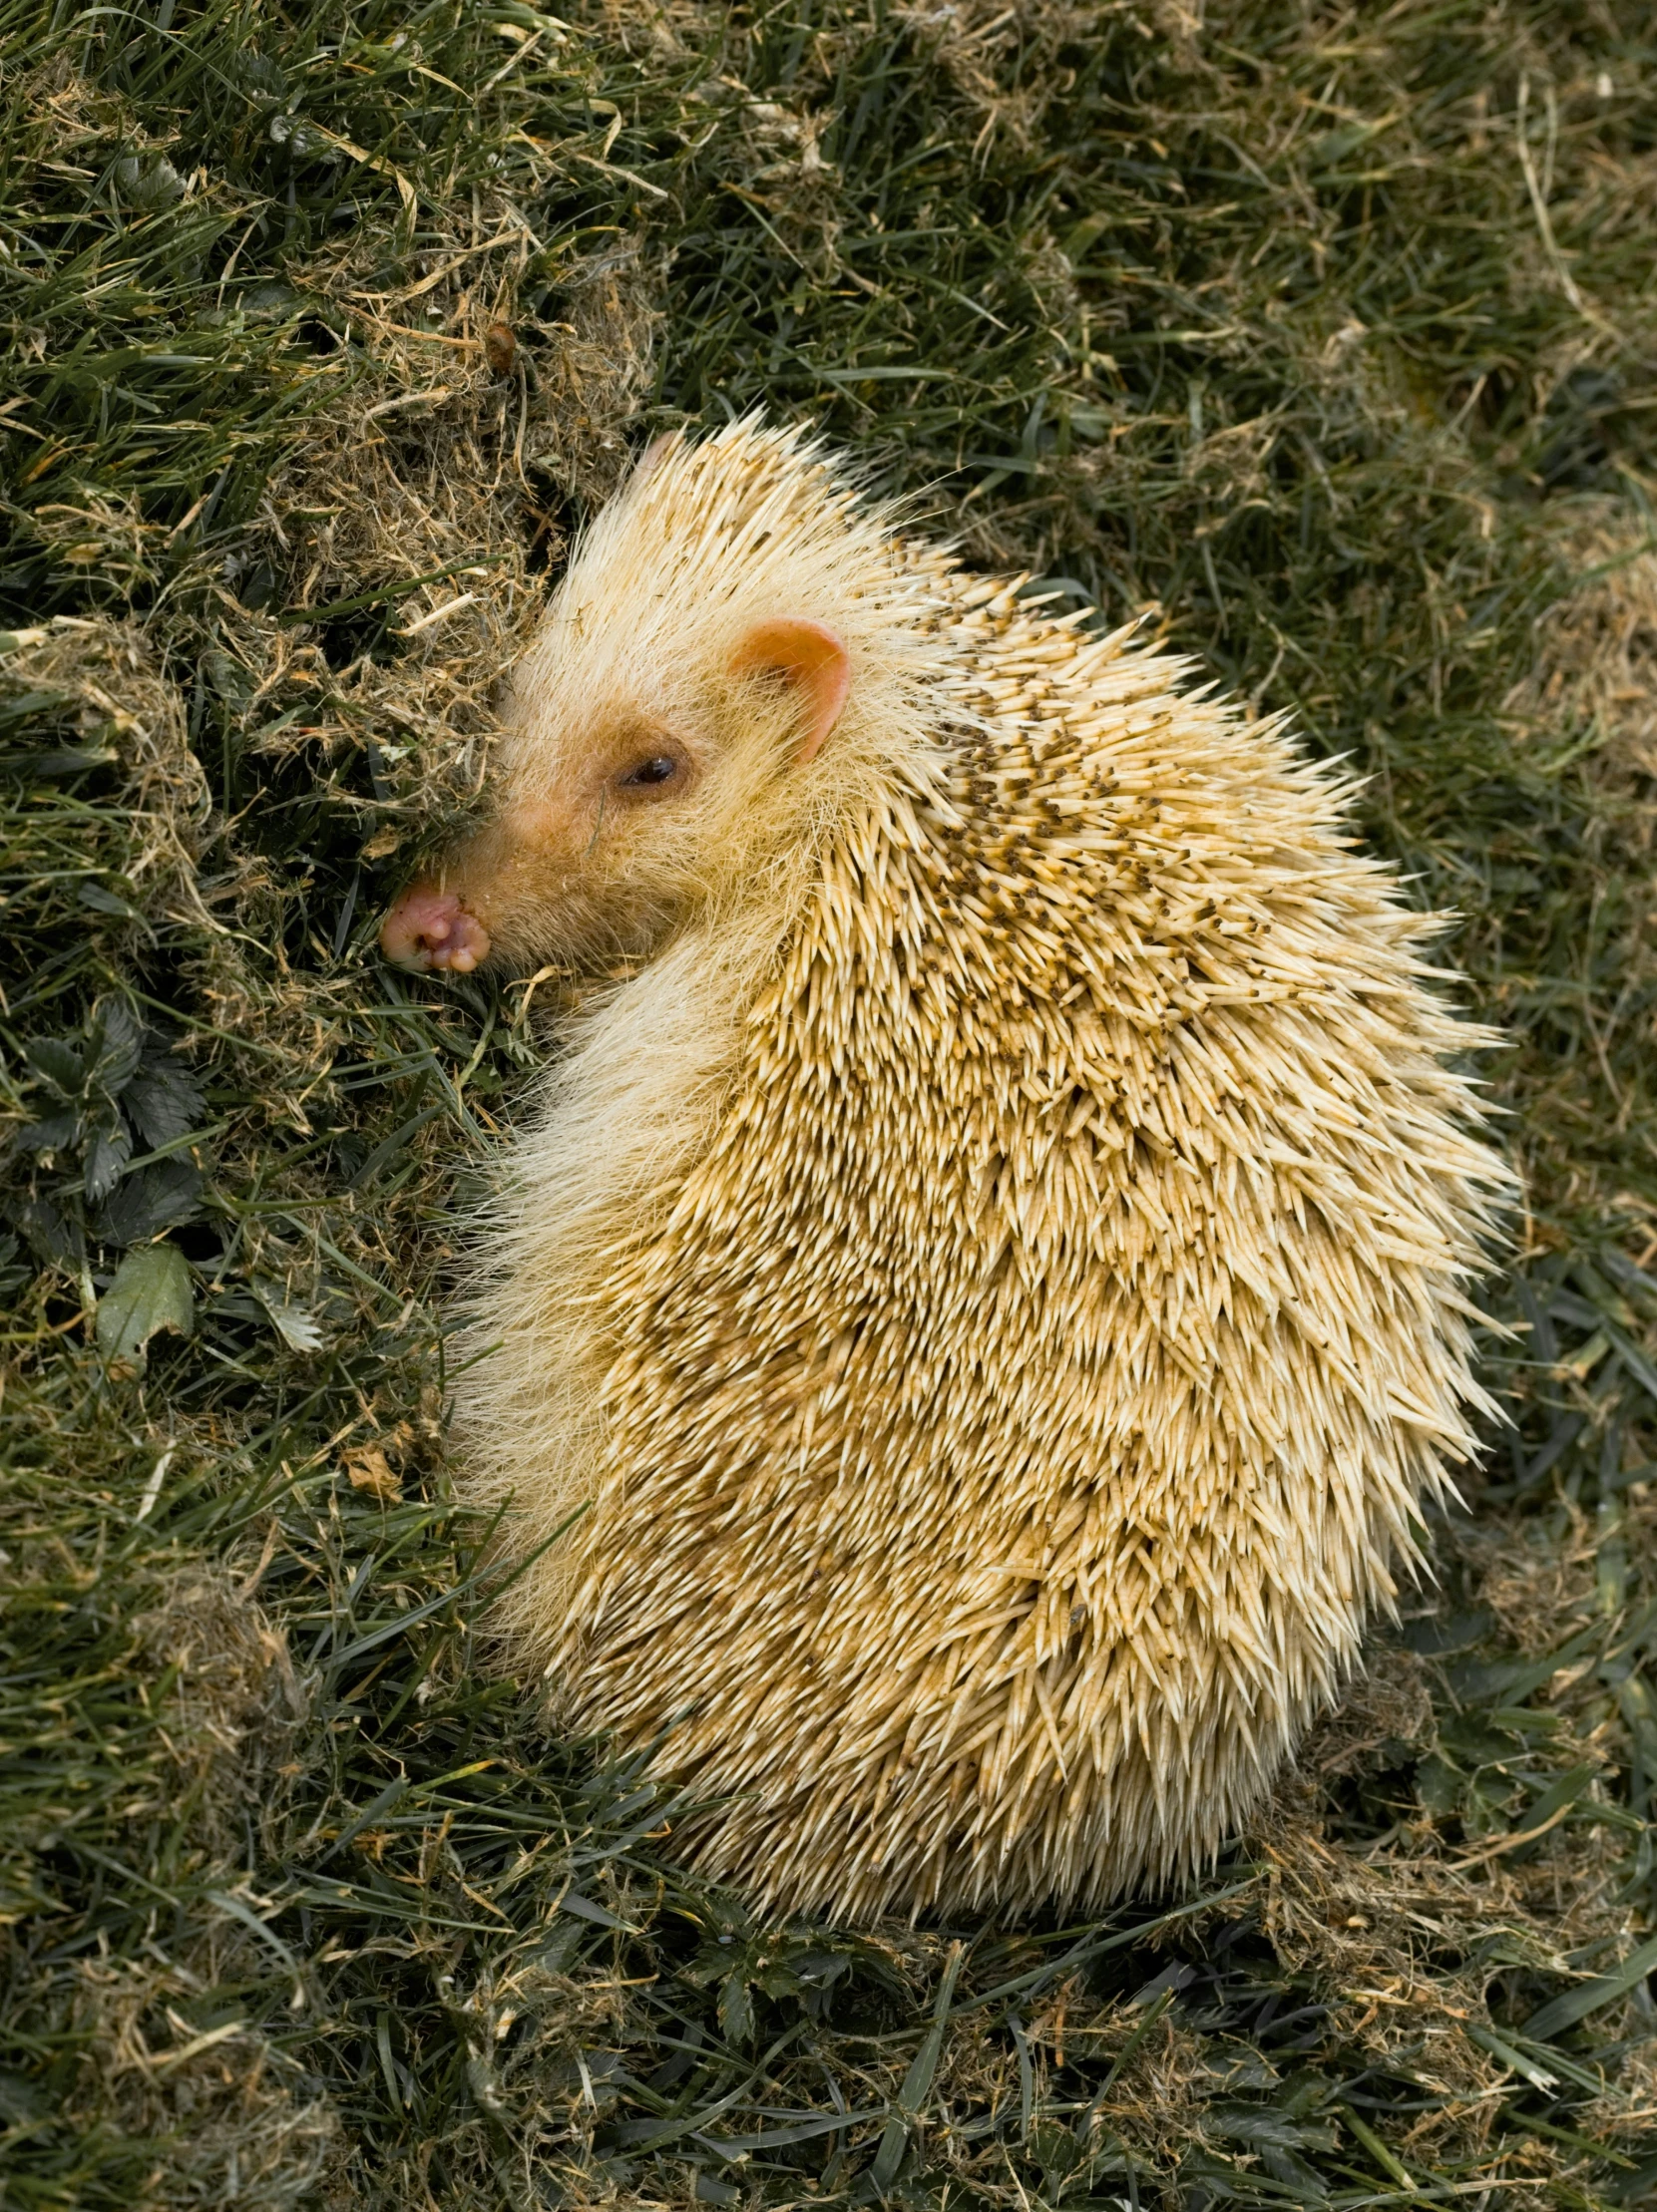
column 428, row 927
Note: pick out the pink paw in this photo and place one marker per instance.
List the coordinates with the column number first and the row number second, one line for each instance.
column 429, row 929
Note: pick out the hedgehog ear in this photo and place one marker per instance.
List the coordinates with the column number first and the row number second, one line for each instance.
column 812, row 661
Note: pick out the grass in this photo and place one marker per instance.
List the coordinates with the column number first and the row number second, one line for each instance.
column 1327, row 336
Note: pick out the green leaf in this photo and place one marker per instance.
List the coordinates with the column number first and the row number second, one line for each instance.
column 1260, row 2125
column 57, row 1064
column 802, row 2131
column 117, row 1041
column 106, row 902
column 917, row 2085
column 601, row 1916
column 1563, row 1793
column 1487, row 2040
column 20, row 2101
column 145, row 1203
column 736, row 2013
column 108, row 1152
column 1565, row 2010
column 51, row 1134
column 66, row 760
column 162, row 1097
column 151, row 1292
column 52, row 1234
column 296, row 1325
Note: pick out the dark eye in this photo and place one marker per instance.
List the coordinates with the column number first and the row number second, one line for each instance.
column 661, row 768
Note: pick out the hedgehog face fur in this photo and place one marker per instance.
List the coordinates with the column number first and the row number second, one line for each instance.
column 997, row 1274
column 653, row 743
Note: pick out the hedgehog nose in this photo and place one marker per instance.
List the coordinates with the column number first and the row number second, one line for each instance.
column 428, row 928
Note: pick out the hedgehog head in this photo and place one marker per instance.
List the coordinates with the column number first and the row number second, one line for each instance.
column 723, row 664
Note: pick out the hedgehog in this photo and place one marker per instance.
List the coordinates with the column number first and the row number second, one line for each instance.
column 966, row 1342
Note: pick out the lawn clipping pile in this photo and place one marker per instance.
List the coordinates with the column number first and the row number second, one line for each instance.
column 1322, row 338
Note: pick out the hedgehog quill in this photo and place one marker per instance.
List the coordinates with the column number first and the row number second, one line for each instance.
column 998, row 1269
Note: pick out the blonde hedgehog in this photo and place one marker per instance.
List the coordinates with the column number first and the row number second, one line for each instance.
column 993, row 1262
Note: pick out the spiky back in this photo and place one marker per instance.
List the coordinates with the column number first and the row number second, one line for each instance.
column 1002, row 1416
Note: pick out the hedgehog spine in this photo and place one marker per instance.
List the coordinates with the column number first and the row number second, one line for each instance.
column 1000, row 1273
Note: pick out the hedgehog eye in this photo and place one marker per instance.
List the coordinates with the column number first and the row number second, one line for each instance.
column 648, row 774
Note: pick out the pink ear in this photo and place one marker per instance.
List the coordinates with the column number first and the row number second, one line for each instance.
column 815, row 663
